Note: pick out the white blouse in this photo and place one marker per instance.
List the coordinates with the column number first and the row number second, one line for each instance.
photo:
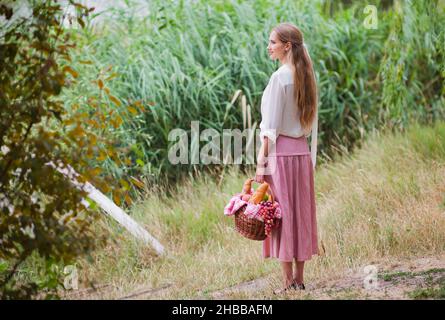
column 279, row 114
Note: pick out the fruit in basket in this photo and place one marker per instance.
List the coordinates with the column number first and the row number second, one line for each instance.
column 271, row 215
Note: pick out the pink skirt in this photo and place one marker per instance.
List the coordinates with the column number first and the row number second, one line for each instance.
column 292, row 185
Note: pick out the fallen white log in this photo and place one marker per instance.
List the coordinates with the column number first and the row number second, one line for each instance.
column 110, row 208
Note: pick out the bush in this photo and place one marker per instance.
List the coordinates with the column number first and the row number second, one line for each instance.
column 42, row 215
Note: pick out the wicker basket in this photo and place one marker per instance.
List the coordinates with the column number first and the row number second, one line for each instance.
column 250, row 228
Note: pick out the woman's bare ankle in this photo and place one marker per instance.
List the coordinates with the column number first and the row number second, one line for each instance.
column 297, row 281
column 287, row 283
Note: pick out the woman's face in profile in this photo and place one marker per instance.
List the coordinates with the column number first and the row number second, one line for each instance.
column 275, row 47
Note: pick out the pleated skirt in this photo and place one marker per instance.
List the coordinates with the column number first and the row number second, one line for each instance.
column 292, row 185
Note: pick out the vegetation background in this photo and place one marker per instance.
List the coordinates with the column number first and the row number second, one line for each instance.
column 186, row 60
column 381, row 135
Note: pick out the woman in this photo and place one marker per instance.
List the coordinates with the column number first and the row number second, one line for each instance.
column 289, row 115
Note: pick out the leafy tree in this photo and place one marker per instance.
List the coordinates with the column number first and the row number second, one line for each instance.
column 41, row 211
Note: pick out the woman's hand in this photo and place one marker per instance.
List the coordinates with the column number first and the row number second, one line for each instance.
column 261, row 165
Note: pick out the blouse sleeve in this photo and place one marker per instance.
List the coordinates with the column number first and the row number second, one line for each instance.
column 272, row 106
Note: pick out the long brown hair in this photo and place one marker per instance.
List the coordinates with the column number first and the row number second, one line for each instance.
column 305, row 87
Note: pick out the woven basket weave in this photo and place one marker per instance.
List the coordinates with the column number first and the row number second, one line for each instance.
column 250, row 228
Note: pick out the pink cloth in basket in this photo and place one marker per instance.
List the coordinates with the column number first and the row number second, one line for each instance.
column 251, row 211
column 237, row 203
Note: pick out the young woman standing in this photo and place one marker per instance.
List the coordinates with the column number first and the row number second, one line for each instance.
column 289, row 114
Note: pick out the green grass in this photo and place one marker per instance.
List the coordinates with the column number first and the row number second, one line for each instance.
column 435, row 289
column 191, row 58
column 380, row 202
column 403, row 274
column 396, row 275
column 428, row 293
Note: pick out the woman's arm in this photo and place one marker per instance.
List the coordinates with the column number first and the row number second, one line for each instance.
column 265, row 146
column 262, row 160
column 272, row 106
column 272, row 109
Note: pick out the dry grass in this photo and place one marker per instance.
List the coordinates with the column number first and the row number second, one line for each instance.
column 385, row 201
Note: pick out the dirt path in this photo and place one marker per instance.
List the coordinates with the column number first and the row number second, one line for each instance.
column 416, row 279
column 410, row 279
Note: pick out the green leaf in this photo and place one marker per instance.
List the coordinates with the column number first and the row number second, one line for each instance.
column 3, row 266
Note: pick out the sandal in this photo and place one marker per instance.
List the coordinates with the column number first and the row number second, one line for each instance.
column 299, row 286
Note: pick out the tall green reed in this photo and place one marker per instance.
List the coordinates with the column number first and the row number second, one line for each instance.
column 187, row 60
